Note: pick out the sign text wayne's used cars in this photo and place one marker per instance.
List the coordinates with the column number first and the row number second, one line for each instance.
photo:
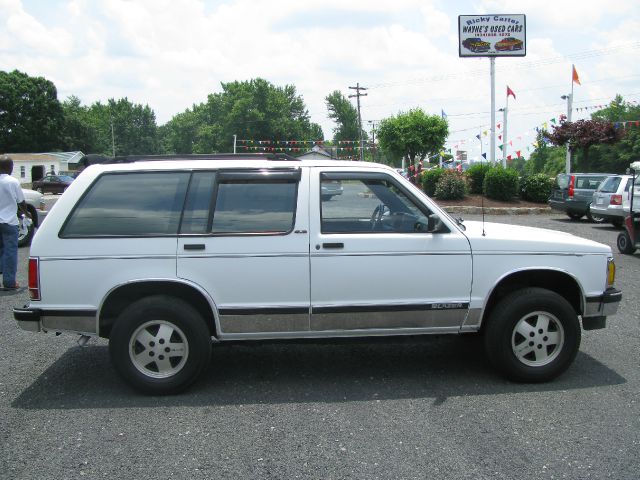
column 492, row 35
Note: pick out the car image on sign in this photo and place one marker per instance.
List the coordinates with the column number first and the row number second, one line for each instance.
column 476, row 45
column 508, row 43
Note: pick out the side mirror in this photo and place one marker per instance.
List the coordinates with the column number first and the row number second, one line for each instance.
column 434, row 224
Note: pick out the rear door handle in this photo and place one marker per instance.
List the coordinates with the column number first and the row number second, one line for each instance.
column 194, row 246
column 333, row 245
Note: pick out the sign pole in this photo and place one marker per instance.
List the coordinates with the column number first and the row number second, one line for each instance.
column 493, row 109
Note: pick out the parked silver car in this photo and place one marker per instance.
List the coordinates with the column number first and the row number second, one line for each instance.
column 611, row 198
column 37, row 212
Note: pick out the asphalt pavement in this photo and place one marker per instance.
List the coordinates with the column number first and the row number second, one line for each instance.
column 427, row 407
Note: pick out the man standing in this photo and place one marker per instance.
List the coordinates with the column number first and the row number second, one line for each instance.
column 11, row 196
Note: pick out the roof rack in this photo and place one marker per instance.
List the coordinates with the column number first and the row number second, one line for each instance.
column 213, row 156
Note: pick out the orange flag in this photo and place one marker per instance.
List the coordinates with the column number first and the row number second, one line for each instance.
column 576, row 79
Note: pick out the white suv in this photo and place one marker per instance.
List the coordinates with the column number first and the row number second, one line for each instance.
column 165, row 255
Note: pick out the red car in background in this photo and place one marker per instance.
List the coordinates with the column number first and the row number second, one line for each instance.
column 52, row 183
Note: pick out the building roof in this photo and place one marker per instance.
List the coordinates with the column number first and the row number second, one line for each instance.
column 69, row 157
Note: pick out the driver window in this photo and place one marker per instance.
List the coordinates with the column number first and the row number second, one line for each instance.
column 368, row 205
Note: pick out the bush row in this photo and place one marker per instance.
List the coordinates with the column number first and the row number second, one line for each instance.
column 493, row 181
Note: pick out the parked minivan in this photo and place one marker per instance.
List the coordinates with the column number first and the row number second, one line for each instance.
column 573, row 194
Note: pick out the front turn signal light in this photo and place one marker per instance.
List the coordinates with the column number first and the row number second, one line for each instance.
column 611, row 272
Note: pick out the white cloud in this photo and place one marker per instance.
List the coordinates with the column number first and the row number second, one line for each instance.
column 172, row 54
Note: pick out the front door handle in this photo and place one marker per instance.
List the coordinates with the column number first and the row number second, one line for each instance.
column 194, row 246
column 333, row 245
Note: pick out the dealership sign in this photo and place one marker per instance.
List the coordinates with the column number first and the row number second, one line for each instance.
column 492, row 35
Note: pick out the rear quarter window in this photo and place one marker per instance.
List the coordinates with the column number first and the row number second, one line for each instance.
column 130, row 204
column 588, row 183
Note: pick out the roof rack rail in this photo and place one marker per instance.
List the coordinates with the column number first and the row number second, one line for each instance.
column 212, row 156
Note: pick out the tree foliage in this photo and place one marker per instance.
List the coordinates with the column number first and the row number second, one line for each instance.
column 414, row 135
column 254, row 109
column 30, row 113
column 345, row 115
column 582, row 134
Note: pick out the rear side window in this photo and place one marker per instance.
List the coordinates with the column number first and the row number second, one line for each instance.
column 588, row 183
column 254, row 207
column 131, row 204
column 610, row 185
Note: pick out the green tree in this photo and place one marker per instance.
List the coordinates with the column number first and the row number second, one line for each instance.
column 617, row 157
column 583, row 134
column 78, row 132
column 345, row 116
column 131, row 128
column 414, row 135
column 254, row 110
column 30, row 114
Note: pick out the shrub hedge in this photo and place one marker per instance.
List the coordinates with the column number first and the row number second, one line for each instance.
column 536, row 188
column 501, row 184
column 430, row 179
column 475, row 173
column 451, row 185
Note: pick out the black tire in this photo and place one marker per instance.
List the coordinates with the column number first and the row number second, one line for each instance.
column 166, row 323
column 595, row 218
column 625, row 245
column 575, row 216
column 532, row 335
column 25, row 234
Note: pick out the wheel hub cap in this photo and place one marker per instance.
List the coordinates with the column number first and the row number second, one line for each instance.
column 537, row 339
column 158, row 349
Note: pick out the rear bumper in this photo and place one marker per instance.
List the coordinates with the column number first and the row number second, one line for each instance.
column 37, row 320
column 569, row 206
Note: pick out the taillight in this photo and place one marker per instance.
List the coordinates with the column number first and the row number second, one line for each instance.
column 572, row 186
column 616, row 200
column 34, row 278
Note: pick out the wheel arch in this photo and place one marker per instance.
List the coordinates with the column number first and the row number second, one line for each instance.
column 123, row 295
column 557, row 281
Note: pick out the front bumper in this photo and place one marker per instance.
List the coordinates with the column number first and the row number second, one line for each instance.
column 603, row 305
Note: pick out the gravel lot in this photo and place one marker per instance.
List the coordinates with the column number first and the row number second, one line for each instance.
column 412, row 408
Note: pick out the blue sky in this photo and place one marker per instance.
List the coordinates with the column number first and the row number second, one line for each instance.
column 170, row 55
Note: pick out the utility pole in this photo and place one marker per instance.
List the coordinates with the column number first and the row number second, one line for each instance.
column 357, row 88
column 113, row 138
column 374, row 124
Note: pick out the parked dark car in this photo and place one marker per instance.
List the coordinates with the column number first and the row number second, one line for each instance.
column 573, row 194
column 53, row 184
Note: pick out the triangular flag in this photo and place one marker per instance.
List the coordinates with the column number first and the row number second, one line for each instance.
column 484, row 155
column 510, row 92
column 574, row 75
column 478, row 136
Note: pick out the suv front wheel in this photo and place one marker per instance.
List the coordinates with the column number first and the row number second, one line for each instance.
column 160, row 345
column 532, row 335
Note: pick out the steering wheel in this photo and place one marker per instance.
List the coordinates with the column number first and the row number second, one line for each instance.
column 376, row 216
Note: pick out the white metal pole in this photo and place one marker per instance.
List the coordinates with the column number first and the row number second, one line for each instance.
column 234, row 143
column 493, row 109
column 504, row 134
column 569, row 111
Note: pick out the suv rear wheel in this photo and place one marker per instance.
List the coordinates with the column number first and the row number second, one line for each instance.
column 532, row 335
column 160, row 345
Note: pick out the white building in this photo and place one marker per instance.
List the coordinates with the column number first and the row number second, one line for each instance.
column 29, row 167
